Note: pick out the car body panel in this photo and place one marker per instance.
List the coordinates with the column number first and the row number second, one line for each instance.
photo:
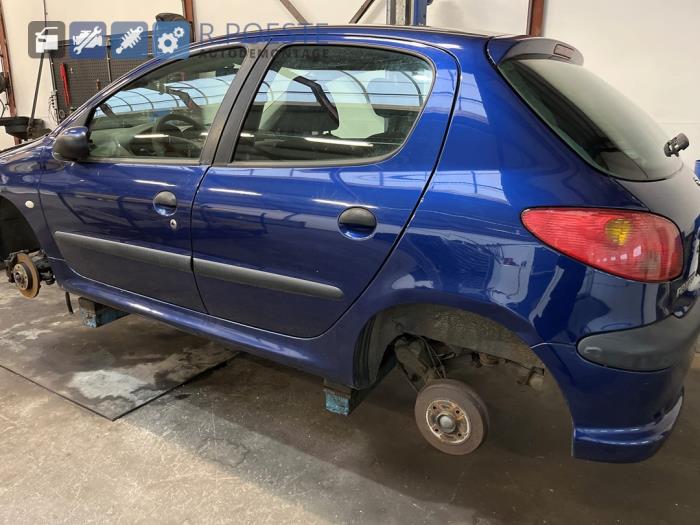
column 20, row 172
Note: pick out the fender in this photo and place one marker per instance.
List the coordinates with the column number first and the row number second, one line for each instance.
column 20, row 204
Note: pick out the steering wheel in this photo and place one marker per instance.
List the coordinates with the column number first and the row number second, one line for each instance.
column 164, row 126
column 175, row 117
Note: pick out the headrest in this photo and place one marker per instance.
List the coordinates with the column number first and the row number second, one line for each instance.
column 392, row 97
column 302, row 113
column 302, row 119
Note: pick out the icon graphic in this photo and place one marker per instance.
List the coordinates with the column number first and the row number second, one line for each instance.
column 87, row 39
column 170, row 38
column 45, row 37
column 129, row 40
column 45, row 40
column 168, row 42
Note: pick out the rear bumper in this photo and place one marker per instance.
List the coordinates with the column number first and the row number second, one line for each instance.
column 619, row 416
column 625, row 388
column 625, row 445
column 657, row 346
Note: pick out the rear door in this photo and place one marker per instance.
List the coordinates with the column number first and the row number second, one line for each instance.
column 323, row 160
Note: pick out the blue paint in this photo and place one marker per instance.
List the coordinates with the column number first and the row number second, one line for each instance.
column 448, row 205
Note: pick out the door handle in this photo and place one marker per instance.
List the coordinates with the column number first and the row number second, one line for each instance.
column 165, row 203
column 357, row 223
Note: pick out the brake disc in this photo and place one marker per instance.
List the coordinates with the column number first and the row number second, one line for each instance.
column 26, row 276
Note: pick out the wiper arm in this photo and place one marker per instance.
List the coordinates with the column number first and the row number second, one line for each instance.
column 676, row 145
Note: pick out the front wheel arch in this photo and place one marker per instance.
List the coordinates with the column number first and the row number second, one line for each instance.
column 16, row 234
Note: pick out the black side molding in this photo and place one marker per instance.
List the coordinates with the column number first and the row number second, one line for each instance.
column 271, row 281
column 646, row 349
column 71, row 241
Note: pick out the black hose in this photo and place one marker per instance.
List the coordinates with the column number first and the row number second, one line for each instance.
column 69, row 305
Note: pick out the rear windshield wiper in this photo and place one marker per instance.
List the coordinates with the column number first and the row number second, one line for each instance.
column 676, row 145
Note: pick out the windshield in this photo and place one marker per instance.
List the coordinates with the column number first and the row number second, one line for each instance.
column 599, row 123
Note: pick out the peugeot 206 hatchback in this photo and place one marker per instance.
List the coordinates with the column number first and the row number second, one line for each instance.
column 347, row 199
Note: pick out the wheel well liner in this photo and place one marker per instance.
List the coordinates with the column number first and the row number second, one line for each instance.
column 449, row 325
column 15, row 232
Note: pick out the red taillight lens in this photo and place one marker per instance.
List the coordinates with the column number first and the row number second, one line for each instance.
column 635, row 245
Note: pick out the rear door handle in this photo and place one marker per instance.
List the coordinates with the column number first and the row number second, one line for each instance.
column 165, row 203
column 357, row 223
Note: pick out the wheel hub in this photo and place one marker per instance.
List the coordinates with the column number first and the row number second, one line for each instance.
column 448, row 421
column 22, row 277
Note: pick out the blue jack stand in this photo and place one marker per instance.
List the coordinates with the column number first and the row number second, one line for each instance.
column 343, row 400
column 95, row 315
column 340, row 399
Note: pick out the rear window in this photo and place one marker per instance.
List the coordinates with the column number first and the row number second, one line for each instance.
column 597, row 121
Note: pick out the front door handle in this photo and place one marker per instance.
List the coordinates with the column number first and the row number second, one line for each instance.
column 357, row 223
column 165, row 203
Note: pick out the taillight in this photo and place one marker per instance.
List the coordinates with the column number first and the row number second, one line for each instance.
column 635, row 245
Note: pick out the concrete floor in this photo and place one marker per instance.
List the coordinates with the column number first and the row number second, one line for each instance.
column 250, row 443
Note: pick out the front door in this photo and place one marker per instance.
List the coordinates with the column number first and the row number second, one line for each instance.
column 122, row 217
column 334, row 145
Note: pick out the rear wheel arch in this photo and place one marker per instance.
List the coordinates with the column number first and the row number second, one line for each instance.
column 16, row 234
column 449, row 325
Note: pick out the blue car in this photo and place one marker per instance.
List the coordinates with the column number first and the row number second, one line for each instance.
column 345, row 200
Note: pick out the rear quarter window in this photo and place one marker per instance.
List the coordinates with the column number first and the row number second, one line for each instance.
column 603, row 126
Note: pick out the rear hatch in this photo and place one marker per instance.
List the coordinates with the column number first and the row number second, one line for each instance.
column 608, row 131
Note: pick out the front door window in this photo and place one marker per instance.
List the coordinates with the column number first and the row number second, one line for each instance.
column 166, row 113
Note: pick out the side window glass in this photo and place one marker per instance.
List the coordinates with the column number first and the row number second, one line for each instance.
column 334, row 103
column 166, row 113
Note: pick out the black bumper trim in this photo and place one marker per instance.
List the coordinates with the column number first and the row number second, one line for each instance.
column 646, row 349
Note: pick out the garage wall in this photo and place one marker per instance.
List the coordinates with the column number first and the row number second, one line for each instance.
column 647, row 49
column 18, row 14
column 503, row 16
